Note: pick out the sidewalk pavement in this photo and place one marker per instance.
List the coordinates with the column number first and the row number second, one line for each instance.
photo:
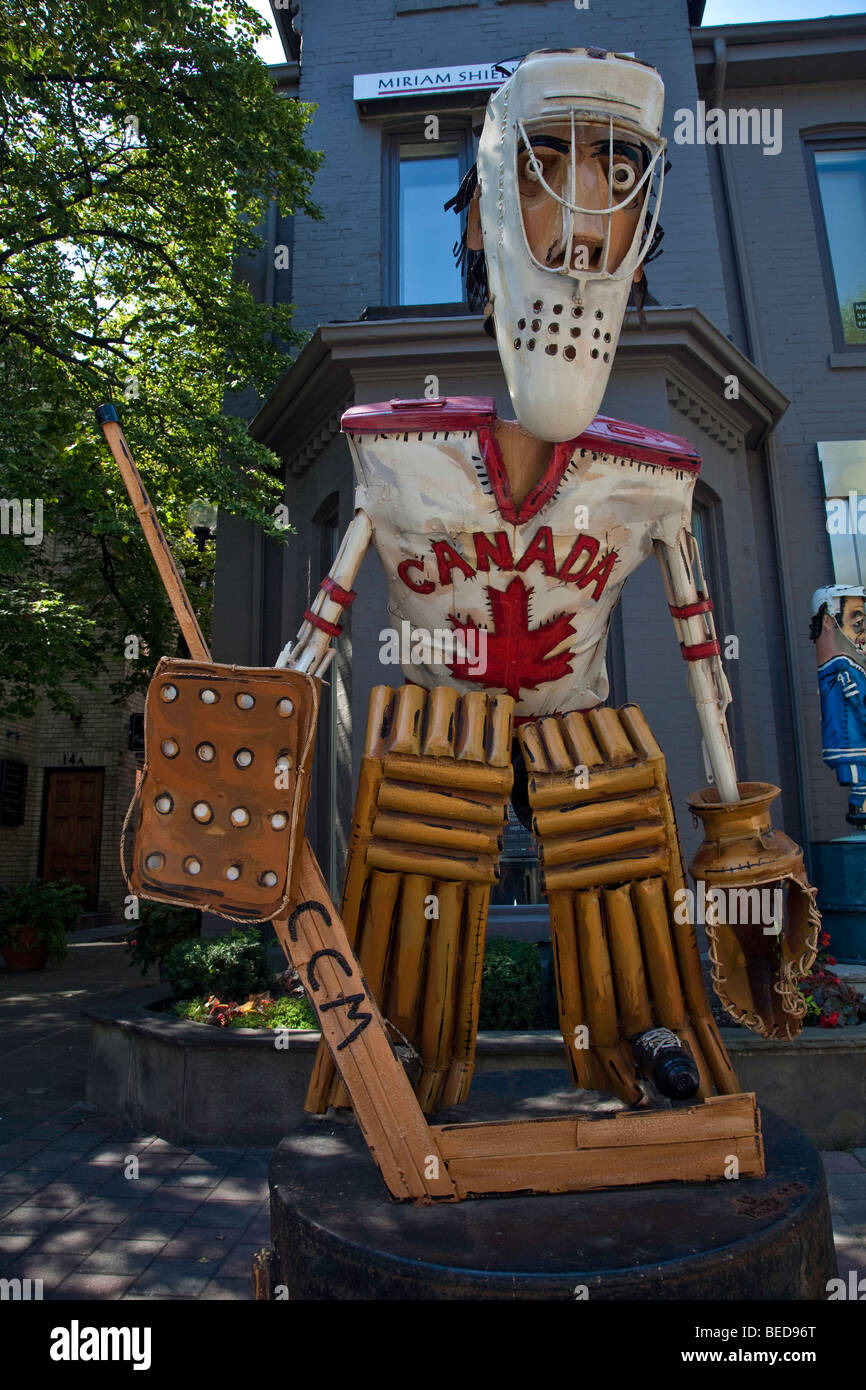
column 184, row 1228
column 99, row 1211
column 73, row 1215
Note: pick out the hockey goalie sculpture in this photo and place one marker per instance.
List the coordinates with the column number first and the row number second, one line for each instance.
column 474, row 520
column 524, row 533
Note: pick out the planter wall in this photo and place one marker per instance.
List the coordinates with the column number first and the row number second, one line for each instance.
column 196, row 1085
column 191, row 1084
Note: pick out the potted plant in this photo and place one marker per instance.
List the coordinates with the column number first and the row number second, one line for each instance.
column 34, row 921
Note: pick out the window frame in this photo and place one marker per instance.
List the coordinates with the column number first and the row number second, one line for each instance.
column 819, row 140
column 452, row 127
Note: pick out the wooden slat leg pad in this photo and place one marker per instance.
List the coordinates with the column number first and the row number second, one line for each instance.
column 432, row 801
column 608, row 845
column 714, row 1141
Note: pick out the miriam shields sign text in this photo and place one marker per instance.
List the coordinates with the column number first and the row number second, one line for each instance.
column 372, row 86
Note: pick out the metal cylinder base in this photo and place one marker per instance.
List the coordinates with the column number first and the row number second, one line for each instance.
column 337, row 1235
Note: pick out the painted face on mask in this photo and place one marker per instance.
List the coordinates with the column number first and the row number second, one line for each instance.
column 600, row 168
column 853, row 622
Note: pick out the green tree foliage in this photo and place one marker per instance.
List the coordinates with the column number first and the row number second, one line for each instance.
column 140, row 142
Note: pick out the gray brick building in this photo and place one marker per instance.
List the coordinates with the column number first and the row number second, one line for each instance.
column 745, row 289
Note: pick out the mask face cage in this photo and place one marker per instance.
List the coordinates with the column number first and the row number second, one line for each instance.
column 555, row 124
column 630, row 163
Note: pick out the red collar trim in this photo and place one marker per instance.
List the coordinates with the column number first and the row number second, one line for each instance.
column 541, row 493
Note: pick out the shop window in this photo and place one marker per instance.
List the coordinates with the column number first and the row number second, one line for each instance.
column 840, row 178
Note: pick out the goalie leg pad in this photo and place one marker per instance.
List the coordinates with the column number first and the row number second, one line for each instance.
column 423, row 855
column 612, row 865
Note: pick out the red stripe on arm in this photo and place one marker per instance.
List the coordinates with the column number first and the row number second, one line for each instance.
column 344, row 597
column 699, row 650
column 322, row 624
column 691, row 610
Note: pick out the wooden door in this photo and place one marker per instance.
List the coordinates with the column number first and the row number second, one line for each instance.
column 73, row 824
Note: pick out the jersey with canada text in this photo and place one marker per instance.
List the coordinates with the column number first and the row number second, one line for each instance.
column 487, row 595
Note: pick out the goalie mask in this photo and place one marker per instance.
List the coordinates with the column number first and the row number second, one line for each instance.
column 570, row 165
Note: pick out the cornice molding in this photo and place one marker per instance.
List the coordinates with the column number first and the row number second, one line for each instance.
column 708, row 420
column 340, row 359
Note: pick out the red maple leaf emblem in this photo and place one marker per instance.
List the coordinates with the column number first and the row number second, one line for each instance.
column 517, row 657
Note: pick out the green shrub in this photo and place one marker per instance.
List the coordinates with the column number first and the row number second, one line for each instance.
column 509, row 985
column 231, row 967
column 159, row 928
column 292, row 1011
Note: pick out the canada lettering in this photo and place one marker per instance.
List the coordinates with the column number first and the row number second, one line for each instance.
column 582, row 565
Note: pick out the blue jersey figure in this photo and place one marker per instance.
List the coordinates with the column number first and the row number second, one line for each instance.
column 839, row 629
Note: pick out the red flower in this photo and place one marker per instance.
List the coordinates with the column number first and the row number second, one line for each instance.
column 133, row 942
column 831, row 960
column 830, row 1020
column 825, row 938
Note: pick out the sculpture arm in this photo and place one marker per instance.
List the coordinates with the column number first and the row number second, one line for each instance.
column 312, row 650
column 692, row 612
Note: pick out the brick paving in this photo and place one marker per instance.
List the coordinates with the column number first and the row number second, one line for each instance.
column 185, row 1227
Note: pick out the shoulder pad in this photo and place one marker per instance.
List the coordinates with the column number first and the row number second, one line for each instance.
column 424, row 415
column 637, row 442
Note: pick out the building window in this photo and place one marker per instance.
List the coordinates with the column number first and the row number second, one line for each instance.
column 840, row 171
column 325, row 761
column 429, row 176
column 420, row 177
column 701, row 530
